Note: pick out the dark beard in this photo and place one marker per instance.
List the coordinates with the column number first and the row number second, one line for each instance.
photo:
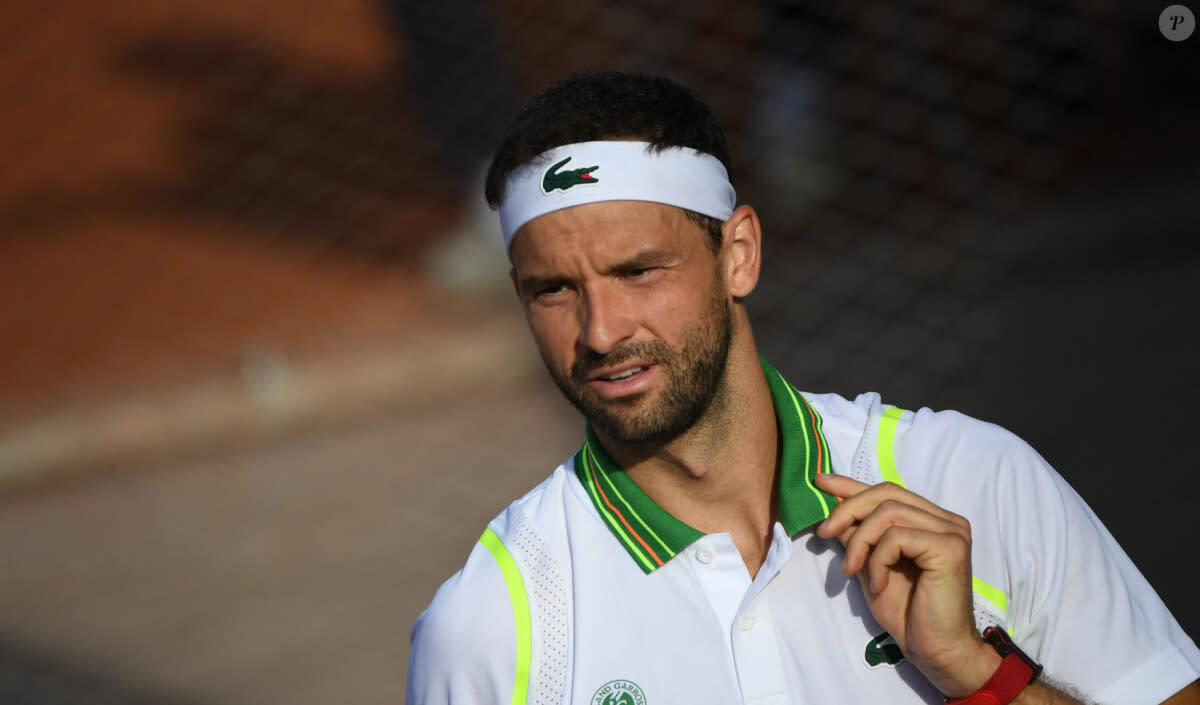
column 694, row 376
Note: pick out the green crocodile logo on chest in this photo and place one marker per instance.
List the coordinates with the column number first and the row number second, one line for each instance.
column 879, row 653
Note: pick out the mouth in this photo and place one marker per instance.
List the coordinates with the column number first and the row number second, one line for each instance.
column 620, row 375
column 622, row 381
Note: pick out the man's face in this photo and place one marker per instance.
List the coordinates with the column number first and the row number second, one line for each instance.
column 630, row 314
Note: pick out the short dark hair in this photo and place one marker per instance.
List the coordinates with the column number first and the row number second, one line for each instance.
column 592, row 106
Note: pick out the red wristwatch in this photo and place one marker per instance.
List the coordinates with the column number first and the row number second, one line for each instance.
column 1016, row 671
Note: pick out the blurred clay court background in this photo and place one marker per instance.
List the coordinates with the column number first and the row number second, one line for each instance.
column 262, row 382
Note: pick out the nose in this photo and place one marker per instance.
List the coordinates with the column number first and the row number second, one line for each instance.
column 604, row 321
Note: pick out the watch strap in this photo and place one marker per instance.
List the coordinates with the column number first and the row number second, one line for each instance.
column 1017, row 670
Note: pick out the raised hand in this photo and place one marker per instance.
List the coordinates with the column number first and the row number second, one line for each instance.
column 913, row 559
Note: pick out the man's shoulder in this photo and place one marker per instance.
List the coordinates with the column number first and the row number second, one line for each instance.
column 918, row 446
column 949, row 439
column 543, row 509
column 480, row 605
column 838, row 412
column 857, row 413
column 535, row 522
column 964, row 464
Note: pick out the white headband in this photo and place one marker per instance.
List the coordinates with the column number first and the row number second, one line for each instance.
column 589, row 172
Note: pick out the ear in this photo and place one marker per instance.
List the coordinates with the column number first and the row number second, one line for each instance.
column 741, row 251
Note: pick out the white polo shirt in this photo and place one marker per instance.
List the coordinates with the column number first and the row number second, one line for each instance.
column 586, row 591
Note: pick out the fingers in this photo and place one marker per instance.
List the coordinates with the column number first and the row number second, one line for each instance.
column 931, row 553
column 860, row 500
column 869, row 513
column 840, row 485
column 895, row 520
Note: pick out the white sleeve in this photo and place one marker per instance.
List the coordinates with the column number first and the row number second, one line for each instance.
column 1075, row 600
column 464, row 644
column 1079, row 601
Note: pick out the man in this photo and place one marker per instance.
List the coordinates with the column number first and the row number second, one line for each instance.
column 722, row 537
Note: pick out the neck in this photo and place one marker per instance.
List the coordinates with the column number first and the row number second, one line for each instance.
column 719, row 476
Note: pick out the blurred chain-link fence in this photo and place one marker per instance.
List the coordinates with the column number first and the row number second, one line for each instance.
column 991, row 206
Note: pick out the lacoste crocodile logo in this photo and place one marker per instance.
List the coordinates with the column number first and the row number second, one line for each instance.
column 555, row 179
column 878, row 653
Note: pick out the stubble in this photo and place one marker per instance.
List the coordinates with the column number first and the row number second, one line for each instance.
column 694, row 375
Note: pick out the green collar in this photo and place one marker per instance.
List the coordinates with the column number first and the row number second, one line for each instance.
column 652, row 536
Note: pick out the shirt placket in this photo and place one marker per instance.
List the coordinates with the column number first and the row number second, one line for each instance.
column 743, row 613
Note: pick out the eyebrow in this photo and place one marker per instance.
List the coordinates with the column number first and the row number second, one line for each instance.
column 535, row 283
column 641, row 260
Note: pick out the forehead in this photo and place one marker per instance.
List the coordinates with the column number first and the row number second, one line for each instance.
column 603, row 232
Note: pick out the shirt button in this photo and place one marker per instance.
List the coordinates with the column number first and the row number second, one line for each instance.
column 704, row 555
column 746, row 622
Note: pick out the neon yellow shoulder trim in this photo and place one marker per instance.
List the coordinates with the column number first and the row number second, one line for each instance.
column 520, row 605
column 887, row 438
column 990, row 593
column 887, row 467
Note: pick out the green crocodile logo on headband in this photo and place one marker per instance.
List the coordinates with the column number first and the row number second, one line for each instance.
column 555, row 179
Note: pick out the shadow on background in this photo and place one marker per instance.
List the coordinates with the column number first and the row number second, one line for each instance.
column 31, row 678
column 294, row 155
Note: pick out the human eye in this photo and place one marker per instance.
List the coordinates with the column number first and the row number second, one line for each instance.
column 635, row 273
column 642, row 268
column 549, row 292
